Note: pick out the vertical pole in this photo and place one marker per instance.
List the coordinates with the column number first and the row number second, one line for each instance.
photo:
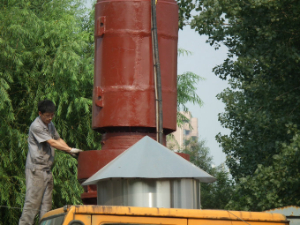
column 157, row 75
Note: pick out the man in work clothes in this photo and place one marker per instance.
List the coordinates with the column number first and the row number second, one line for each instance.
column 42, row 139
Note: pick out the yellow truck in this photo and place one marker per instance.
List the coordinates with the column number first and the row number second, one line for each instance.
column 118, row 215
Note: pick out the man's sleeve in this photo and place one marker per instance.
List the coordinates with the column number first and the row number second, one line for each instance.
column 40, row 134
column 56, row 135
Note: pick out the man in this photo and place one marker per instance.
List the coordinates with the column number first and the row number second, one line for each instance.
column 42, row 139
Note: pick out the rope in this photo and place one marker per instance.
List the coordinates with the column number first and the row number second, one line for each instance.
column 238, row 217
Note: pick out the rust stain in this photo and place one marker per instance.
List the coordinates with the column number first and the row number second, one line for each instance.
column 286, row 210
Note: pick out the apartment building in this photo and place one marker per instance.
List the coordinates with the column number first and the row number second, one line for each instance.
column 176, row 141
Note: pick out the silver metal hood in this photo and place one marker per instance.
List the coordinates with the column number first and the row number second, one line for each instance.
column 149, row 175
column 147, row 159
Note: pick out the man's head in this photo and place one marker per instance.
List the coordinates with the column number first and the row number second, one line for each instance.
column 46, row 111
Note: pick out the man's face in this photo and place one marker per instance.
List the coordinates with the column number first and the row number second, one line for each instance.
column 46, row 117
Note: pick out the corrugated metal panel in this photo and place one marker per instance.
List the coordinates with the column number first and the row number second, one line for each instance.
column 287, row 210
column 161, row 193
column 149, row 159
column 292, row 213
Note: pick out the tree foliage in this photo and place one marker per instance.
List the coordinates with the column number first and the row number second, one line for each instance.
column 186, row 90
column 274, row 185
column 186, row 93
column 45, row 53
column 263, row 102
column 214, row 195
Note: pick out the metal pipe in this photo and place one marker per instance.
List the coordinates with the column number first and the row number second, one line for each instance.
column 157, row 75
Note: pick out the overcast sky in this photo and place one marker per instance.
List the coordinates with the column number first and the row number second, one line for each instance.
column 201, row 62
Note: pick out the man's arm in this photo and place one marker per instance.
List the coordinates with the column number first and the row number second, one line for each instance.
column 60, row 144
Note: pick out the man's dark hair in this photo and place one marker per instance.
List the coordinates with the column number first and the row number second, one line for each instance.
column 46, row 106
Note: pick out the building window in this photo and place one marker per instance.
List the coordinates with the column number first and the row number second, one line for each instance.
column 186, row 132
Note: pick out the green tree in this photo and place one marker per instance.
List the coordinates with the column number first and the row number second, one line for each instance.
column 274, row 185
column 263, row 70
column 215, row 195
column 45, row 53
column 186, row 90
column 186, row 93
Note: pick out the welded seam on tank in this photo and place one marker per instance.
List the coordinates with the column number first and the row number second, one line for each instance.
column 133, row 88
column 160, row 1
column 143, row 33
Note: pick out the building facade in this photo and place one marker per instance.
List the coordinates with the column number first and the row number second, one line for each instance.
column 176, row 141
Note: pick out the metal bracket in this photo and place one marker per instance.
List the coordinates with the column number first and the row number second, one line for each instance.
column 100, row 30
column 98, row 96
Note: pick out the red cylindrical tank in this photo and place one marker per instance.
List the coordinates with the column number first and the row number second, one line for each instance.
column 124, row 96
column 124, row 82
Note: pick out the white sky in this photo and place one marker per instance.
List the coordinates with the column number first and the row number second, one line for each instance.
column 201, row 62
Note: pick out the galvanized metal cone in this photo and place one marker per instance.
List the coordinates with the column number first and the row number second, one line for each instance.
column 149, row 159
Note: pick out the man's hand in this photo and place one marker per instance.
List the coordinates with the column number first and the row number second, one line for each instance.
column 75, row 151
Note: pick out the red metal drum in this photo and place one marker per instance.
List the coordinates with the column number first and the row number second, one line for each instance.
column 124, row 96
column 124, row 83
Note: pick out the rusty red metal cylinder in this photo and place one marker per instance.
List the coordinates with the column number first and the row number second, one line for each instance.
column 124, row 83
column 124, row 92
